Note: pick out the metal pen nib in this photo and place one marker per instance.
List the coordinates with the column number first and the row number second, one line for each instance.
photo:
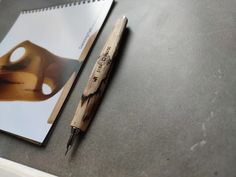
column 74, row 132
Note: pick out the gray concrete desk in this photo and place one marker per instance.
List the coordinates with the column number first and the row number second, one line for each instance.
column 170, row 109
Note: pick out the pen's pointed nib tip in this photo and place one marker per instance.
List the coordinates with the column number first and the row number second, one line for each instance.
column 74, row 132
column 66, row 151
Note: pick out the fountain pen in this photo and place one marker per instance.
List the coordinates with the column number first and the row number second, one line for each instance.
column 97, row 82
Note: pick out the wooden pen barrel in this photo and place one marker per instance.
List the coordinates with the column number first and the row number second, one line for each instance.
column 98, row 78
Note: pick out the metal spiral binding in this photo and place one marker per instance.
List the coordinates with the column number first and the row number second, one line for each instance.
column 75, row 3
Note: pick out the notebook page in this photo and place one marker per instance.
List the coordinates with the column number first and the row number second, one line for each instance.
column 62, row 31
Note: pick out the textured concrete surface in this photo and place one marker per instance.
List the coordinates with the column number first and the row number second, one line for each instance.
column 171, row 104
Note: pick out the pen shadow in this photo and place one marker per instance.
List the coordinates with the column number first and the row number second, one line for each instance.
column 118, row 59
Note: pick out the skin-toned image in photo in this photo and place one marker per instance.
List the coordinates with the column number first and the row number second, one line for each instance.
column 35, row 75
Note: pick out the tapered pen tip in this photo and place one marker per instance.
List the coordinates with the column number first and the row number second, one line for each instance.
column 67, row 149
column 74, row 132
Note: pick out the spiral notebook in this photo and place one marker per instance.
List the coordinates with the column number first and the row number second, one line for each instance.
column 39, row 59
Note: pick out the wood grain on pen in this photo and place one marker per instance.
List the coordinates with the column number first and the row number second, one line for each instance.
column 98, row 78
